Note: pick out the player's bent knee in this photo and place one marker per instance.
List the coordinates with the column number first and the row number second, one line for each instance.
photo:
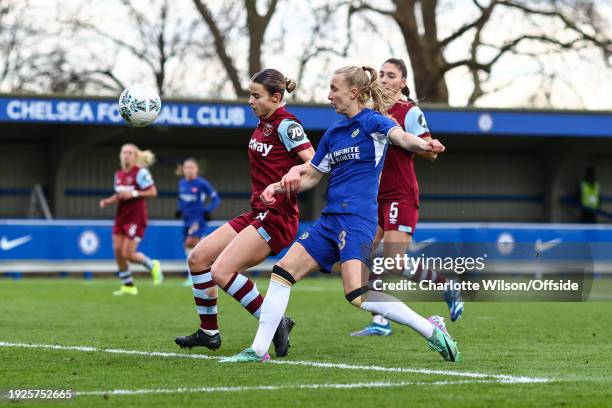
column 199, row 259
column 216, row 274
column 356, row 297
column 282, row 276
column 192, row 260
column 220, row 271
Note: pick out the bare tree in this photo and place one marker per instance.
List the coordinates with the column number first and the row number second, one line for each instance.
column 319, row 45
column 45, row 63
column 18, row 38
column 49, row 72
column 256, row 26
column 31, row 58
column 559, row 25
column 9, row 33
column 158, row 42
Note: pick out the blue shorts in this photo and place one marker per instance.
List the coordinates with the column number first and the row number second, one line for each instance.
column 339, row 238
column 194, row 228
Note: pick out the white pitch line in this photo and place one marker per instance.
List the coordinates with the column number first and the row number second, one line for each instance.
column 378, row 384
column 501, row 378
column 111, row 351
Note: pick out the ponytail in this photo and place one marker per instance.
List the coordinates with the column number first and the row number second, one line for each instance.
column 381, row 98
column 406, row 93
column 144, row 158
column 370, row 91
column 178, row 172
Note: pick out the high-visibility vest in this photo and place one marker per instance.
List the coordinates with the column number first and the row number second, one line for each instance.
column 589, row 195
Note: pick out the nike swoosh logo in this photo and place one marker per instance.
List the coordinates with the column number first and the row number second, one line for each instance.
column 417, row 246
column 449, row 349
column 7, row 245
column 541, row 246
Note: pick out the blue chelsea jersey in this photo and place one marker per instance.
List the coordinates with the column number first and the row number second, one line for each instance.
column 352, row 152
column 193, row 195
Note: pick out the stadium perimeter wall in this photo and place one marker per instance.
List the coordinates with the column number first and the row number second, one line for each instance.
column 511, row 248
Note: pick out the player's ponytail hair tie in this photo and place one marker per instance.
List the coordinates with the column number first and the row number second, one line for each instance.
column 372, row 77
column 380, row 98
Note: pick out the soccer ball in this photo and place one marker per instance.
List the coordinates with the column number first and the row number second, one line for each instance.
column 139, row 105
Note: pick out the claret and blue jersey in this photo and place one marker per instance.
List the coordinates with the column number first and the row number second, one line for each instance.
column 398, row 182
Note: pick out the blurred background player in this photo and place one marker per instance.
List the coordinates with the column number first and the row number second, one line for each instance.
column 193, row 191
column 352, row 152
column 277, row 144
column 398, row 194
column 133, row 183
column 589, row 194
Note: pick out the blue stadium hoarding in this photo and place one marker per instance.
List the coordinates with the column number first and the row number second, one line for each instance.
column 90, row 240
column 83, row 240
column 239, row 115
column 520, row 123
column 106, row 112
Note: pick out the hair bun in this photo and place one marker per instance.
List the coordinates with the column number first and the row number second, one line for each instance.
column 290, row 85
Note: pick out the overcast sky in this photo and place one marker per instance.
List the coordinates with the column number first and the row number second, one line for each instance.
column 582, row 80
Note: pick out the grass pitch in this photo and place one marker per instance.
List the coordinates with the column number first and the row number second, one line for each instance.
column 508, row 350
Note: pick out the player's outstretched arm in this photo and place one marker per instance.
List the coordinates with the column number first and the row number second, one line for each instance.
column 431, row 156
column 148, row 193
column 309, row 177
column 105, row 202
column 128, row 195
column 267, row 197
column 291, row 181
column 408, row 141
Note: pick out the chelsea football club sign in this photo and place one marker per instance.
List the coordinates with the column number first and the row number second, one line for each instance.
column 101, row 112
column 442, row 120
